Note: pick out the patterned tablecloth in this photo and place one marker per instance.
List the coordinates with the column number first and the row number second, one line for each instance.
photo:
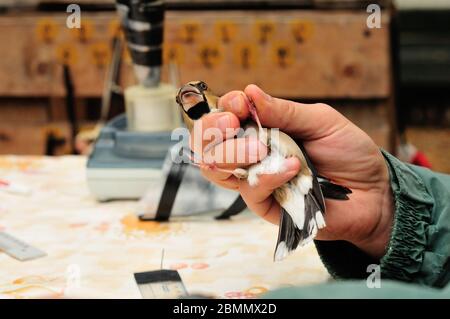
column 94, row 248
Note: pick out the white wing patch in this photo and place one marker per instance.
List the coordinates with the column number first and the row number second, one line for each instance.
column 295, row 205
column 304, row 183
column 295, row 201
column 272, row 164
column 319, row 220
column 281, row 251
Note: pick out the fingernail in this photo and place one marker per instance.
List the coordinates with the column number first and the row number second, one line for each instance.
column 256, row 150
column 223, row 122
column 291, row 164
column 236, row 104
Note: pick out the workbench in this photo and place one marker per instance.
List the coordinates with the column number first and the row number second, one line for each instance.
column 94, row 248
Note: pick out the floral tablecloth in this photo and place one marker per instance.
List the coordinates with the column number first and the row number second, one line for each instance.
column 94, row 248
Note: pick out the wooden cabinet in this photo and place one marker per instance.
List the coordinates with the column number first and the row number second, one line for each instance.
column 290, row 53
column 310, row 55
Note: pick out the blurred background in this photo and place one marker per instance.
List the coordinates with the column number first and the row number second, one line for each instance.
column 59, row 86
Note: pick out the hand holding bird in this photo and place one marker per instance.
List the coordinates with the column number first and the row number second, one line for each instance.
column 338, row 149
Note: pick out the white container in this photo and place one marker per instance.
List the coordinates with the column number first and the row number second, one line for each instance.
column 152, row 109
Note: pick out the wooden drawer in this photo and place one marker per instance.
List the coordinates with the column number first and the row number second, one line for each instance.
column 35, row 46
column 21, row 110
column 20, row 139
column 295, row 53
column 16, row 139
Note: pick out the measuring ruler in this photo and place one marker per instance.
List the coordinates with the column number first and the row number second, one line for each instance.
column 18, row 249
column 160, row 284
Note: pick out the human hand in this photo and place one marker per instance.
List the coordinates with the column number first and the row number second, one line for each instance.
column 338, row 149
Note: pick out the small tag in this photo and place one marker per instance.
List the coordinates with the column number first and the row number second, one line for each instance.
column 160, row 284
column 18, row 249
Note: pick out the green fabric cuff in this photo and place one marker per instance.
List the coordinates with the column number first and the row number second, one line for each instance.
column 404, row 255
column 413, row 208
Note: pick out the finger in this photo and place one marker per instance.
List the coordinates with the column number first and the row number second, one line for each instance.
column 271, row 210
column 224, row 180
column 235, row 102
column 229, row 155
column 259, row 198
column 238, row 152
column 212, row 129
column 308, row 121
column 217, row 176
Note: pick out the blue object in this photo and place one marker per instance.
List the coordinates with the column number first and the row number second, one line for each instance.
column 118, row 148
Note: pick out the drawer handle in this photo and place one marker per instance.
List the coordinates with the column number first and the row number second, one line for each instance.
column 4, row 137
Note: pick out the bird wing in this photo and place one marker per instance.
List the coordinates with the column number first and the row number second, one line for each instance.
column 333, row 191
column 290, row 236
column 301, row 200
column 306, row 181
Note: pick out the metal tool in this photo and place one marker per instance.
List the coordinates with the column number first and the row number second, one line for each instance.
column 18, row 249
column 160, row 284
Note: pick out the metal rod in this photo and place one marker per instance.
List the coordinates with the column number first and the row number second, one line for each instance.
column 162, row 258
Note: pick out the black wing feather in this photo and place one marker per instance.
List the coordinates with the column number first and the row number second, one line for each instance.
column 334, row 191
column 316, row 189
column 323, row 186
column 289, row 236
column 287, row 233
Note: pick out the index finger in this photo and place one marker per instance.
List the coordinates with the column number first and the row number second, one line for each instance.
column 211, row 129
column 236, row 103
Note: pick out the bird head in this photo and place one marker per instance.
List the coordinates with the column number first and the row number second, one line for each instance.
column 196, row 100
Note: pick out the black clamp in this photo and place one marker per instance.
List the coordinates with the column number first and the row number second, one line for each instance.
column 170, row 191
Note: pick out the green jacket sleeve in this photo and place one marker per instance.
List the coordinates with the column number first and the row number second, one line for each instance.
column 352, row 289
column 419, row 248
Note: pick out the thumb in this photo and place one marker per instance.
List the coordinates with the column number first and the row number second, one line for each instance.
column 307, row 121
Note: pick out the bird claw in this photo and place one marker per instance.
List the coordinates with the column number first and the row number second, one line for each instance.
column 209, row 166
column 239, row 173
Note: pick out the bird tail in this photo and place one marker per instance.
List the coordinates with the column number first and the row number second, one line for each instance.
column 290, row 236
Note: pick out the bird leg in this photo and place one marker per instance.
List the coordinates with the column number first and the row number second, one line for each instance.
column 254, row 114
column 239, row 173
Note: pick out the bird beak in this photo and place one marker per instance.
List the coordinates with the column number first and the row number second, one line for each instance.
column 189, row 95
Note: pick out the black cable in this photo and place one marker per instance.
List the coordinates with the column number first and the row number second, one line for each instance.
column 70, row 103
column 235, row 208
column 169, row 193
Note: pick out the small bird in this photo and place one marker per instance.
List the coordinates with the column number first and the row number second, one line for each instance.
column 301, row 199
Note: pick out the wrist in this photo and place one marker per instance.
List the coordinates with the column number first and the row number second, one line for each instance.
column 377, row 240
column 386, row 222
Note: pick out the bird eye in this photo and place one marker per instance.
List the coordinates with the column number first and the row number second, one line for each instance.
column 203, row 86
